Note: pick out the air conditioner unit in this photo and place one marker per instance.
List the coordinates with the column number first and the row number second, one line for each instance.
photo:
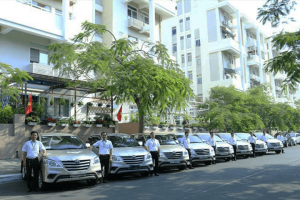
column 225, row 23
column 251, row 56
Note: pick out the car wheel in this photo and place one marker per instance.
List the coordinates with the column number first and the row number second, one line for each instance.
column 246, row 156
column 91, row 181
column 264, row 153
column 278, row 152
column 208, row 162
column 144, row 174
column 227, row 159
column 42, row 184
column 181, row 167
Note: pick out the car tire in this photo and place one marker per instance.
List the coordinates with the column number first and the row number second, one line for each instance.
column 181, row 167
column 278, row 152
column 246, row 156
column 208, row 162
column 91, row 181
column 42, row 184
column 23, row 172
column 144, row 174
column 227, row 159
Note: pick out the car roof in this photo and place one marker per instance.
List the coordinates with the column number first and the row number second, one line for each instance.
column 56, row 134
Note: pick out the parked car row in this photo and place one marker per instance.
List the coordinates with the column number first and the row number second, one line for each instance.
column 69, row 159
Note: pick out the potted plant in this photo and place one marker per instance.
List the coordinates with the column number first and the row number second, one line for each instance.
column 88, row 123
column 89, row 104
column 62, row 101
column 163, row 125
column 76, row 123
column 186, row 126
column 180, row 127
column 172, row 126
column 51, row 121
column 62, row 123
column 33, row 120
column 51, row 102
column 112, row 124
column 108, row 106
column 100, row 104
column 194, row 125
column 42, row 100
column 154, row 126
column 80, row 103
column 125, row 117
column 147, row 125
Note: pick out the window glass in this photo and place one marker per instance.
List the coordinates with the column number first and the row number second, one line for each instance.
column 199, row 80
column 173, row 30
column 62, row 142
column 198, row 42
column 182, row 59
column 189, row 57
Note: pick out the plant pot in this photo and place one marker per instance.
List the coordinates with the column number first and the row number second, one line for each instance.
column 180, row 128
column 32, row 123
column 172, row 127
column 146, row 127
column 99, row 125
column 112, row 126
column 100, row 104
column 88, row 125
column 76, row 125
column 51, row 124
column 164, row 127
column 154, row 127
column 64, row 124
column 195, row 128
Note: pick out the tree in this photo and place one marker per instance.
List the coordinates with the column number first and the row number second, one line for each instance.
column 10, row 79
column 148, row 78
column 276, row 12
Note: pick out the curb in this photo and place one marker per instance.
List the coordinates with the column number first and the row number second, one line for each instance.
column 10, row 177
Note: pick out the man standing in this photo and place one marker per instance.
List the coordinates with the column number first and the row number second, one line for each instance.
column 31, row 157
column 232, row 141
column 105, row 154
column 264, row 137
column 152, row 145
column 185, row 142
column 212, row 142
column 252, row 141
column 281, row 138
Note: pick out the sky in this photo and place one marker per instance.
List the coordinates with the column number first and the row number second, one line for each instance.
column 249, row 7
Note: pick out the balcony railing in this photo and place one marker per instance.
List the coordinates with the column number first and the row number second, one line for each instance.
column 278, row 88
column 251, row 42
column 135, row 23
column 254, row 77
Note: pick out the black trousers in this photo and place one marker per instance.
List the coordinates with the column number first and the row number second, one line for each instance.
column 32, row 182
column 104, row 161
column 253, row 148
column 155, row 157
column 234, row 150
column 215, row 149
column 190, row 158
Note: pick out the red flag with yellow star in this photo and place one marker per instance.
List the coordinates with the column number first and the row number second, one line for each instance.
column 29, row 107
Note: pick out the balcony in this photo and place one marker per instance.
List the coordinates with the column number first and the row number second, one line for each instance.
column 253, row 59
column 227, row 81
column 280, row 76
column 228, row 44
column 135, row 24
column 278, row 88
column 254, row 78
column 37, row 19
column 251, row 42
column 42, row 69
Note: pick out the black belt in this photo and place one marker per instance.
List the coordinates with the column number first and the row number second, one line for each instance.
column 104, row 155
column 153, row 151
column 31, row 158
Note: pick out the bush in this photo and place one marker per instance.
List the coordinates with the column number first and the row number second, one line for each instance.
column 6, row 114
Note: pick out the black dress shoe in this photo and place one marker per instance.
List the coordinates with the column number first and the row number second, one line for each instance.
column 105, row 181
column 156, row 174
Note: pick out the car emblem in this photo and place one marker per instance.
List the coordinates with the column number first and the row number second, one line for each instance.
column 174, row 152
column 77, row 161
column 133, row 156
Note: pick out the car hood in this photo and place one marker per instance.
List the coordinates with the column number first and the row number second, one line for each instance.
column 129, row 151
column 171, row 148
column 222, row 144
column 273, row 140
column 242, row 143
column 200, row 146
column 70, row 154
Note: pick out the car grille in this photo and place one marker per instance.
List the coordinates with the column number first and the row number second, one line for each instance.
column 243, row 147
column 275, row 144
column 223, row 149
column 202, row 151
column 133, row 160
column 173, row 155
column 76, row 165
column 259, row 146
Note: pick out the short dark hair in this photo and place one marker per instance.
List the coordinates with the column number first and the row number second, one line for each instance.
column 152, row 132
column 187, row 131
column 103, row 133
column 211, row 132
column 32, row 132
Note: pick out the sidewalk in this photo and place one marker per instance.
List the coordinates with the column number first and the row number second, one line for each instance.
column 10, row 170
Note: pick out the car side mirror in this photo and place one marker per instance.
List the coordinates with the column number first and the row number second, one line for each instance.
column 140, row 143
column 88, row 145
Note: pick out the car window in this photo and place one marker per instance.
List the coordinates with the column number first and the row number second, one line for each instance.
column 226, row 136
column 124, row 141
column 166, row 139
column 207, row 136
column 195, row 139
column 62, row 142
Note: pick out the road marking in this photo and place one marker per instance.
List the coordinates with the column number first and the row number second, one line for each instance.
column 187, row 197
column 12, row 197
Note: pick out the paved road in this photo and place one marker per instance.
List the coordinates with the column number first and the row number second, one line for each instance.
column 266, row 177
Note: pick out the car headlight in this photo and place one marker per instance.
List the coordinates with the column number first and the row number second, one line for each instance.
column 116, row 158
column 281, row 144
column 250, row 147
column 185, row 153
column 53, row 163
column 211, row 151
column 231, row 149
column 148, row 156
column 96, row 160
column 161, row 154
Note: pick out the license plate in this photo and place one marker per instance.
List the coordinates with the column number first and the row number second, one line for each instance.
column 244, row 151
column 202, row 157
column 77, row 175
column 223, row 154
column 134, row 167
column 175, row 161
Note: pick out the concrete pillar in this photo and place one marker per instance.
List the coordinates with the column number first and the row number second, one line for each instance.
column 152, row 20
column 240, row 47
column 261, row 77
column 65, row 17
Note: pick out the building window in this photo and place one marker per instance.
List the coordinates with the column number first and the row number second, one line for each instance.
column 38, row 56
column 187, row 6
column 188, row 41
column 144, row 18
column 181, row 25
column 187, row 24
column 198, row 61
column 179, row 8
column 190, row 75
column 132, row 12
column 189, row 55
column 182, row 59
column 173, row 30
column 198, row 44
column 174, row 48
column 199, row 80
column 181, row 42
column 61, row 110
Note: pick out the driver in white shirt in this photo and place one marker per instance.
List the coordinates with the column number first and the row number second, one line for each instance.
column 212, row 142
column 252, row 141
column 232, row 141
column 152, row 145
column 281, row 138
column 264, row 137
column 186, row 143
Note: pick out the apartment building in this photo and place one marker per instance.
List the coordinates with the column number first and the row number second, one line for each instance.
column 216, row 45
column 28, row 27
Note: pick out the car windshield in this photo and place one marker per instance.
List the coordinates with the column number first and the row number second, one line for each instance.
column 260, row 134
column 226, row 136
column 124, row 141
column 62, row 142
column 195, row 139
column 293, row 134
column 243, row 136
column 207, row 136
column 166, row 139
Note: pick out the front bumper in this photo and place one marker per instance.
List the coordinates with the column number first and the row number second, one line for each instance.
column 223, row 155
column 119, row 167
column 275, row 148
column 172, row 163
column 197, row 159
column 259, row 150
column 57, row 175
column 243, row 152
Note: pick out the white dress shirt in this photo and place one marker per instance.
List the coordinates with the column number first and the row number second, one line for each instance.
column 212, row 141
column 232, row 141
column 186, row 142
column 281, row 138
column 104, row 146
column 252, row 139
column 32, row 149
column 264, row 138
column 152, row 144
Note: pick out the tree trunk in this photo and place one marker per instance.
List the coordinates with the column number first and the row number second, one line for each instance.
column 141, row 117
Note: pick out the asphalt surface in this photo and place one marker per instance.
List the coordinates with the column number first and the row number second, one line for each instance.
column 270, row 176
